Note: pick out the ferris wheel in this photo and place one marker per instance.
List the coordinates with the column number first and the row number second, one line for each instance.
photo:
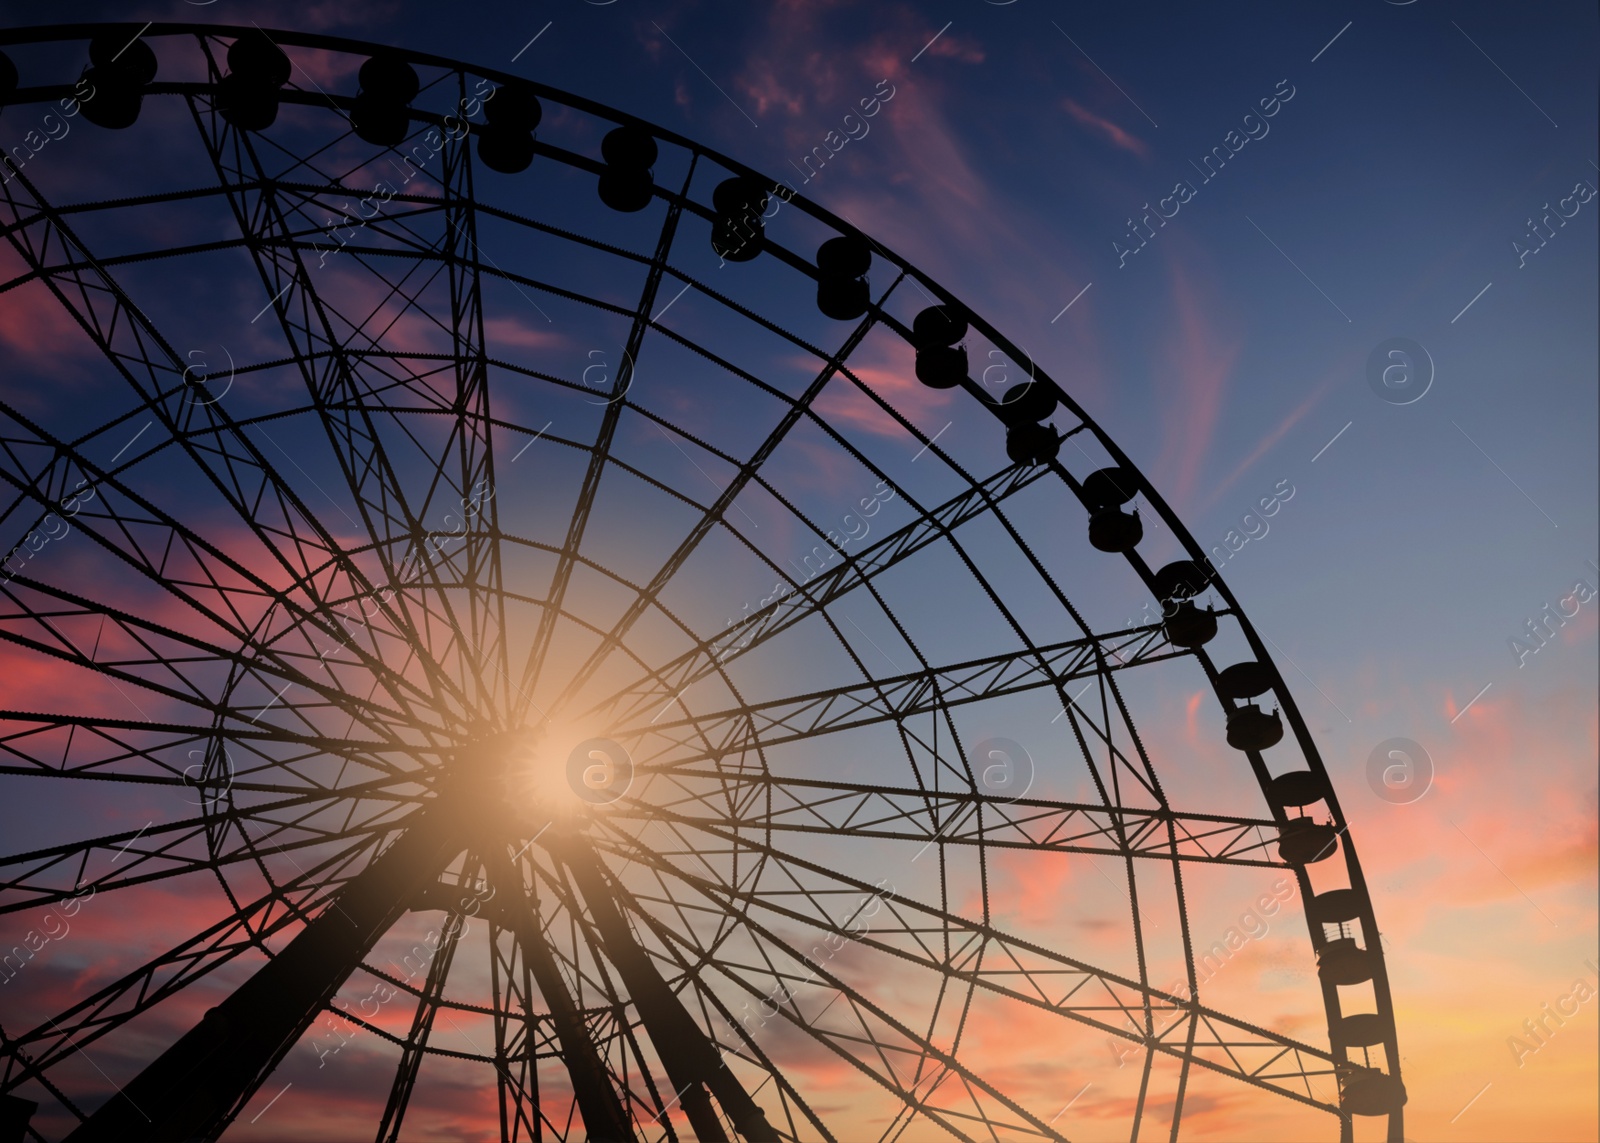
column 493, row 635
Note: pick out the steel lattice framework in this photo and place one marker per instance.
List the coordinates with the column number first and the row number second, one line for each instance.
column 348, row 726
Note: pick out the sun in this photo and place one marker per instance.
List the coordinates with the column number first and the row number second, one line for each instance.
column 559, row 772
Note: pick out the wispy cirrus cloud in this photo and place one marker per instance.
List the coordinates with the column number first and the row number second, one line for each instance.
column 1106, row 129
column 1200, row 355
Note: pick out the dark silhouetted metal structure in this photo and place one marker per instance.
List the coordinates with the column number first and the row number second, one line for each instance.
column 325, row 839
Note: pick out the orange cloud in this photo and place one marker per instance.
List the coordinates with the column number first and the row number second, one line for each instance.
column 1190, row 710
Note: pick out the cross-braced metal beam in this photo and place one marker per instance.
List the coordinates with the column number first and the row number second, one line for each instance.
column 735, row 802
column 664, row 744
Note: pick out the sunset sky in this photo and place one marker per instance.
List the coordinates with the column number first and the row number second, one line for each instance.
column 1427, row 172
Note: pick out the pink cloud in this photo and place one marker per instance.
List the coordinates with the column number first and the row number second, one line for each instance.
column 34, row 325
column 1201, row 358
column 356, row 297
column 318, row 68
column 1191, row 709
column 1104, row 127
column 952, row 47
column 842, row 401
column 937, row 206
column 778, row 79
column 514, row 331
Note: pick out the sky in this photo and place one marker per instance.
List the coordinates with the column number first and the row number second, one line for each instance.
column 1214, row 226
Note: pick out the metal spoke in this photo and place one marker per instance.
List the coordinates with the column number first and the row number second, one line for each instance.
column 759, row 802
column 664, row 745
column 603, row 1113
column 708, row 520
column 602, row 445
column 131, row 750
column 192, row 845
column 238, row 590
column 809, row 599
column 226, row 1057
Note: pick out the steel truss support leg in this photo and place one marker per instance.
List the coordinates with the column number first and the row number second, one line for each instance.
column 693, row 1064
column 194, row 1089
column 14, row 1115
column 604, row 1117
